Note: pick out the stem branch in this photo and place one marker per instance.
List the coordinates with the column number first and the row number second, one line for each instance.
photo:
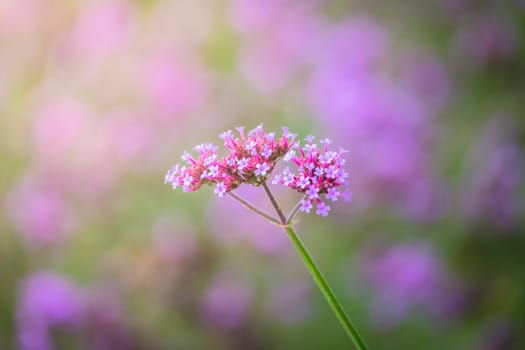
column 252, row 207
column 294, row 211
column 276, row 206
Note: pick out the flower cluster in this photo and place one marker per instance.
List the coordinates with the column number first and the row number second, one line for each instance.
column 251, row 159
column 320, row 171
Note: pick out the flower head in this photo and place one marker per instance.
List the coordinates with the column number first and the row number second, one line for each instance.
column 198, row 170
column 320, row 172
column 250, row 159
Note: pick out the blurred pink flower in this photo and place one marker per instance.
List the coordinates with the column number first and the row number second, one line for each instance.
column 103, row 28
column 269, row 62
column 254, row 16
column 41, row 215
column 59, row 127
column 130, row 139
column 69, row 142
column 174, row 88
column 21, row 17
column 251, row 17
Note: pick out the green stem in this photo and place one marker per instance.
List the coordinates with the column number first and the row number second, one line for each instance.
column 314, row 271
column 275, row 205
column 293, row 212
column 253, row 208
column 325, row 288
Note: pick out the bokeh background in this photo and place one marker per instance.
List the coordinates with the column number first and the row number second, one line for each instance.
column 99, row 98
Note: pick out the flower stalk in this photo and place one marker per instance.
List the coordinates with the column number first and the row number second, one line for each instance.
column 253, row 208
column 294, row 211
column 318, row 277
column 276, row 205
column 320, row 173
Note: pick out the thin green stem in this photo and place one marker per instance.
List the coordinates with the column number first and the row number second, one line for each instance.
column 253, row 208
column 293, row 212
column 276, row 205
column 316, row 273
column 325, row 289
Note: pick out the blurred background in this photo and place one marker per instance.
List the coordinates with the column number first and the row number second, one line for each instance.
column 99, row 98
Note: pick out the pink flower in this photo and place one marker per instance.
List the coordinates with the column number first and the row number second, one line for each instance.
column 220, row 189
column 333, row 194
column 197, row 172
column 306, row 206
column 312, row 192
column 321, row 171
column 261, row 169
column 322, row 209
column 251, row 159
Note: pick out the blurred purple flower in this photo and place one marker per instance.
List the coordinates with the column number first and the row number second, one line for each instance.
column 104, row 325
column 226, row 303
column 387, row 122
column 483, row 40
column 46, row 300
column 290, row 302
column 270, row 62
column 49, row 302
column 402, row 278
column 353, row 46
column 496, row 167
column 429, row 80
